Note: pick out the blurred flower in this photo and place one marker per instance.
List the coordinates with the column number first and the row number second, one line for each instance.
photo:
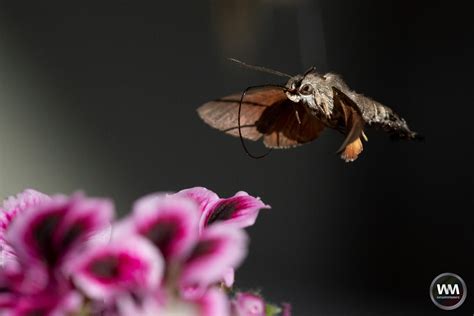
column 170, row 256
column 43, row 237
column 47, row 234
column 10, row 208
column 248, row 304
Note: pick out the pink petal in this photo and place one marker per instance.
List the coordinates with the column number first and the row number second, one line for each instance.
column 87, row 218
column 146, row 306
column 30, row 237
column 46, row 303
column 7, row 254
column 202, row 196
column 26, row 278
column 170, row 222
column 22, row 201
column 32, row 234
column 7, row 301
column 193, row 291
column 213, row 303
column 127, row 263
column 229, row 277
column 241, row 210
column 247, row 304
column 102, row 237
column 70, row 304
column 219, row 248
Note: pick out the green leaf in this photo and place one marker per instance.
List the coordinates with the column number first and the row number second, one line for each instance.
column 272, row 310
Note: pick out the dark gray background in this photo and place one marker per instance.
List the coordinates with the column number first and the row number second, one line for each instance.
column 101, row 96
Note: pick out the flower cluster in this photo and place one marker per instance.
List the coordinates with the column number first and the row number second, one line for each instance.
column 174, row 254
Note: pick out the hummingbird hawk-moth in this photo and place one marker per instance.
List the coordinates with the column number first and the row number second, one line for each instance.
column 296, row 113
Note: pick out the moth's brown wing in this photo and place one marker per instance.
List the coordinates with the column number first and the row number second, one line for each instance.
column 222, row 114
column 288, row 124
column 354, row 123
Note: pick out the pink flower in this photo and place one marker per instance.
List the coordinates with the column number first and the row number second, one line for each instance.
column 49, row 232
column 247, row 304
column 171, row 223
column 219, row 248
column 129, row 263
column 44, row 236
column 10, row 208
column 170, row 256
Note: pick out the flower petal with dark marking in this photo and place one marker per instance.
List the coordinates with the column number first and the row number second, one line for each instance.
column 12, row 207
column 44, row 236
column 241, row 209
column 169, row 222
column 219, row 248
column 49, row 232
column 127, row 263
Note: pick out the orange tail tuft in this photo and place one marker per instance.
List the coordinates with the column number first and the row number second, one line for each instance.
column 352, row 151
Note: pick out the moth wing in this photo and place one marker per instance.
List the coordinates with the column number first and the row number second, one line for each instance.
column 354, row 123
column 288, row 124
column 223, row 114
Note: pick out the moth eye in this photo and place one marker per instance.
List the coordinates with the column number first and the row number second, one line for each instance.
column 306, row 89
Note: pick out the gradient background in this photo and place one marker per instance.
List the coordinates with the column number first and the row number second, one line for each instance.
column 101, row 96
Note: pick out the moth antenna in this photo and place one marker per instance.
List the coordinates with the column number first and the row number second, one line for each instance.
column 310, row 69
column 240, row 126
column 260, row 68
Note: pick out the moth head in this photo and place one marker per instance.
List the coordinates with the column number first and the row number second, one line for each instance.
column 301, row 87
